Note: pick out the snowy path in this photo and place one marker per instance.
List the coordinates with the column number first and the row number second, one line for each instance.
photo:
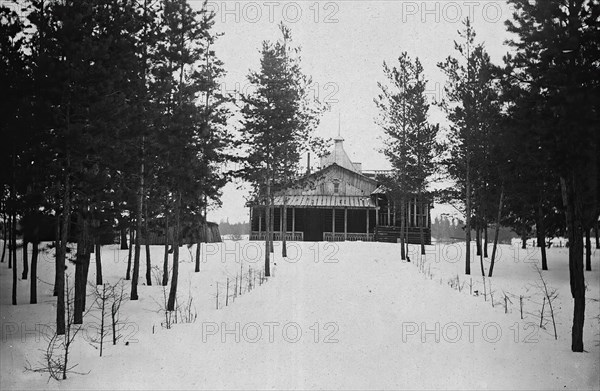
column 367, row 321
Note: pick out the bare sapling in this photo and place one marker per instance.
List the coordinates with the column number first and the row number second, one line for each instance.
column 506, row 301
column 187, row 311
column 55, row 359
column 102, row 296
column 162, row 308
column 542, row 325
column 484, row 289
column 521, row 305
column 241, row 275
column 118, row 296
column 235, row 289
column 249, row 279
column 550, row 294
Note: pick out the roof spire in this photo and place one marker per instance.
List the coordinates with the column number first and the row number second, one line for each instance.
column 339, row 135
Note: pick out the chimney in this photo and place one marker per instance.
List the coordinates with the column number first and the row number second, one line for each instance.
column 308, row 164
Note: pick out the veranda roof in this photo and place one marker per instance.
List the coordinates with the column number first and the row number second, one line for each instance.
column 326, row 201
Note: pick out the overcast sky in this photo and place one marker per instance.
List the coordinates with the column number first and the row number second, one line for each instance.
column 344, row 44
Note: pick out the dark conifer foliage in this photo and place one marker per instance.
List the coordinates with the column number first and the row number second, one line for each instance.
column 113, row 118
column 279, row 118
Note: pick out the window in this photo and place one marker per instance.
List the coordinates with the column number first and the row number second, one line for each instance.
column 336, row 187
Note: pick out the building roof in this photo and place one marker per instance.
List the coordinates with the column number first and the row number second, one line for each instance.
column 340, row 157
column 326, row 201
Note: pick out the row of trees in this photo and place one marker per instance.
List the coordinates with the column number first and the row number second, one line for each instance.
column 279, row 119
column 445, row 229
column 112, row 115
column 411, row 140
column 523, row 144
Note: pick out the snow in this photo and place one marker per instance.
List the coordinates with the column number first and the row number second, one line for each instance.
column 367, row 321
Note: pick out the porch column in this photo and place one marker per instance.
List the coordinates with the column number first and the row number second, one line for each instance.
column 415, row 216
column 281, row 222
column 394, row 216
column 367, row 223
column 345, row 224
column 259, row 224
column 376, row 212
column 388, row 214
column 293, row 223
column 427, row 215
column 333, row 224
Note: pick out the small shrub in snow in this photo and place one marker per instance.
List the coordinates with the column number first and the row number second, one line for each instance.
column 55, row 358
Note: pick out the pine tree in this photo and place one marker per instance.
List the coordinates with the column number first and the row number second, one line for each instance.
column 473, row 110
column 411, row 142
column 556, row 56
column 278, row 120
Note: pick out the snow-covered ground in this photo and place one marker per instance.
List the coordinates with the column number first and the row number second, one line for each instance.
column 334, row 315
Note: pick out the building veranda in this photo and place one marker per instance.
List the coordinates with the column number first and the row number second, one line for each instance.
column 340, row 202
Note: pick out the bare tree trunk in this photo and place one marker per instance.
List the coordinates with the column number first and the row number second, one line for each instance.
column 524, row 241
column 422, row 236
column 10, row 246
column 138, row 231
column 60, row 260
column 478, row 240
column 541, row 235
column 496, row 232
column 14, row 258
column 33, row 282
column 56, row 252
column 485, row 239
column 597, row 235
column 267, row 232
column 123, row 232
column 81, row 266
column 588, row 251
column 284, row 228
column 577, row 280
column 5, row 231
column 468, row 218
column 402, row 227
column 165, row 279
column 174, row 278
column 272, row 230
column 130, row 252
column 147, row 240
column 198, row 254
column 25, row 260
column 98, row 262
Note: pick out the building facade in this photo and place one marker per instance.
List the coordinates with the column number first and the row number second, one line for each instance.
column 337, row 203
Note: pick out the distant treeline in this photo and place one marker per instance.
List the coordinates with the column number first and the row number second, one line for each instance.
column 226, row 228
column 446, row 229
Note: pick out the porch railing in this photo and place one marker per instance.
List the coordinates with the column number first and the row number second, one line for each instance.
column 350, row 237
column 295, row 236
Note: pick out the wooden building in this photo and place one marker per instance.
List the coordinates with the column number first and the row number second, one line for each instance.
column 339, row 202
